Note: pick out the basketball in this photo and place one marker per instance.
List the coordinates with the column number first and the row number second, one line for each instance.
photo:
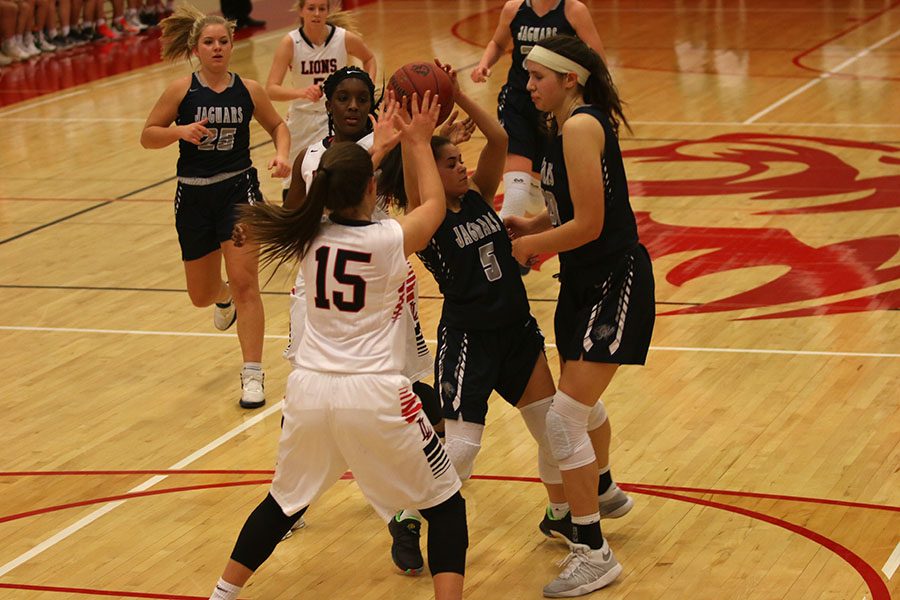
column 419, row 77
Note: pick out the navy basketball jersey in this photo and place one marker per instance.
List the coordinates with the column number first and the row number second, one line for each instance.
column 619, row 232
column 527, row 28
column 227, row 149
column 471, row 259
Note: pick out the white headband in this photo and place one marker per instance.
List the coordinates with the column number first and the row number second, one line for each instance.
column 558, row 62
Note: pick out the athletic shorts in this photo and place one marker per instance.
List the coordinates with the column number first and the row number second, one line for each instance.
column 472, row 364
column 307, row 128
column 419, row 362
column 520, row 119
column 205, row 214
column 607, row 316
column 372, row 424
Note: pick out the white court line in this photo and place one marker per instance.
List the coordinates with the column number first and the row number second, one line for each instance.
column 433, row 342
column 822, row 77
column 87, row 520
column 890, row 567
column 42, row 102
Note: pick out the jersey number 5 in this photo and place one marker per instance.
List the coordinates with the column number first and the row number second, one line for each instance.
column 339, row 274
column 489, row 262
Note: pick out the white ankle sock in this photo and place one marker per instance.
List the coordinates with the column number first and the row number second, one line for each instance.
column 225, row 591
column 558, row 511
column 409, row 513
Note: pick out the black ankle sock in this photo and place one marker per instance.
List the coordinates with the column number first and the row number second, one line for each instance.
column 589, row 534
column 605, row 482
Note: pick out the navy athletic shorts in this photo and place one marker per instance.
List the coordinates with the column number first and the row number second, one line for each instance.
column 472, row 364
column 607, row 315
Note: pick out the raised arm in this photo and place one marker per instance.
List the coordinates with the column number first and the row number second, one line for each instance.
column 493, row 156
column 357, row 48
column 272, row 122
column 420, row 224
column 497, row 46
column 158, row 132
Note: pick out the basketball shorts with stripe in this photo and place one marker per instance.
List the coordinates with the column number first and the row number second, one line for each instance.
column 371, row 424
column 519, row 117
column 607, row 316
column 471, row 364
column 205, row 214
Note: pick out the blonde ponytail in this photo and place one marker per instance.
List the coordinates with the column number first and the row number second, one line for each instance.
column 181, row 31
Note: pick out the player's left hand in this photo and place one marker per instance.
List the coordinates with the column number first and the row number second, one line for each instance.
column 457, row 132
column 386, row 136
column 450, row 71
column 279, row 168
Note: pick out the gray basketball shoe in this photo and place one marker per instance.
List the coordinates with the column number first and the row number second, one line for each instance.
column 617, row 506
column 584, row 571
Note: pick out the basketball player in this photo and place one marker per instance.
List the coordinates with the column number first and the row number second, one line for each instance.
column 605, row 311
column 347, row 404
column 350, row 103
column 211, row 109
column 524, row 22
column 487, row 338
column 312, row 52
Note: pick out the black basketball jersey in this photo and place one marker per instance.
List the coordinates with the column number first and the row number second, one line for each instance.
column 227, row 149
column 619, row 232
column 471, row 259
column 527, row 28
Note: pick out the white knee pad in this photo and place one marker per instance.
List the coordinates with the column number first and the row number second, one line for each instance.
column 536, row 200
column 535, row 417
column 598, row 416
column 567, row 432
column 462, row 443
column 516, row 194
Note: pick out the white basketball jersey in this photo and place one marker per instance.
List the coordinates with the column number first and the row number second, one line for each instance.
column 360, row 288
column 313, row 64
column 314, row 153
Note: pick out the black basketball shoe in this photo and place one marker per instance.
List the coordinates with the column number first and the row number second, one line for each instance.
column 405, row 546
column 560, row 529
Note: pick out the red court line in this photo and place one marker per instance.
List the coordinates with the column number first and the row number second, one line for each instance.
column 797, row 60
column 877, row 587
column 94, row 592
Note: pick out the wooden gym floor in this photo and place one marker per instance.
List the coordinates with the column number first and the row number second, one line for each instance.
column 760, row 441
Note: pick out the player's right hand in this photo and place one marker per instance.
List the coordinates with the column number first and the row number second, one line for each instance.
column 195, row 133
column 313, row 92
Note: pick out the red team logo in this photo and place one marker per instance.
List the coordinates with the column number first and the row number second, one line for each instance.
column 790, row 191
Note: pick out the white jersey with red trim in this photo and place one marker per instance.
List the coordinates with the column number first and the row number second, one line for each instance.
column 313, row 64
column 359, row 287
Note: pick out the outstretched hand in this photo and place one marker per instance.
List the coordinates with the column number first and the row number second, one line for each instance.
column 451, row 73
column 457, row 132
column 386, row 134
column 480, row 74
column 424, row 118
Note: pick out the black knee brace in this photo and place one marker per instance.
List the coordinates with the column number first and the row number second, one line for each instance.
column 262, row 531
column 448, row 536
column 431, row 404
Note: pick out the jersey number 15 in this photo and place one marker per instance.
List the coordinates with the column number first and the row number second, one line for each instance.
column 339, row 274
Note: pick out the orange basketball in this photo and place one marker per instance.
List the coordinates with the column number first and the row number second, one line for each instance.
column 419, row 77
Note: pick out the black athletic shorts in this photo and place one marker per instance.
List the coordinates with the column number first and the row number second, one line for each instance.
column 206, row 214
column 520, row 118
column 607, row 316
column 472, row 364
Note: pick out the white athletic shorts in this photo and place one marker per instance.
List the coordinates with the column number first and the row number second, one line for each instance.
column 372, row 424
column 419, row 362
column 307, row 128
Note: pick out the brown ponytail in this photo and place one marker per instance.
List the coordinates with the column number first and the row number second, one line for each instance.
column 340, row 183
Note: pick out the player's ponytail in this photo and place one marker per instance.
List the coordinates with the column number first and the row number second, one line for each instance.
column 181, row 31
column 599, row 88
column 339, row 183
